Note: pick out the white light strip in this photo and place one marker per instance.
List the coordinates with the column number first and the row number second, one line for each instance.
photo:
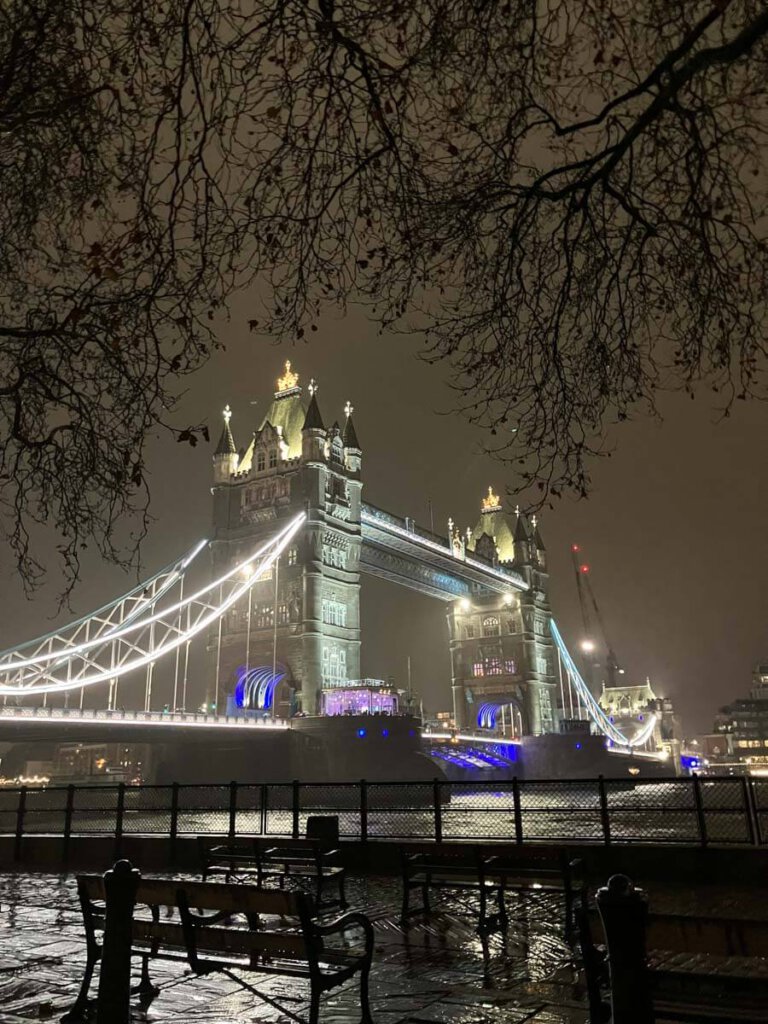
column 512, row 581
column 125, row 667
column 167, row 722
column 596, row 712
column 650, row 755
column 174, row 568
column 468, row 738
column 142, row 605
column 134, row 626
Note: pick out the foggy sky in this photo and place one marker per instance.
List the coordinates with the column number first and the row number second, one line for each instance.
column 675, row 530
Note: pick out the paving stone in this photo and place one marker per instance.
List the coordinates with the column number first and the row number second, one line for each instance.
column 430, row 971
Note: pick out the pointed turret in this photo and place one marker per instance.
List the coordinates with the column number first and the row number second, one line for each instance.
column 538, row 543
column 313, row 433
column 225, row 458
column 352, row 451
column 523, row 540
column 226, row 445
column 313, row 420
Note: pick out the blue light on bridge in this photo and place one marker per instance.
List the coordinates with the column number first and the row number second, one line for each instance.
column 361, row 733
column 255, row 689
column 385, row 733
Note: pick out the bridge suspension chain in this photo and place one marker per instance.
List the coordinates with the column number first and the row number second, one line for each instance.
column 136, row 630
column 592, row 707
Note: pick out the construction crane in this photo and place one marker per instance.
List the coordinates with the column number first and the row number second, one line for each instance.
column 590, row 608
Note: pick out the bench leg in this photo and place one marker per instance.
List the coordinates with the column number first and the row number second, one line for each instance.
column 482, row 925
column 342, row 896
column 79, row 1009
column 364, row 1000
column 503, row 918
column 145, row 989
column 314, row 1006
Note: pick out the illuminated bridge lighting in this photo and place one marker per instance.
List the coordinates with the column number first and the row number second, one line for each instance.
column 130, row 634
column 255, row 690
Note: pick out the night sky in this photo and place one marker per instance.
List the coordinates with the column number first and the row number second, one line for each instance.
column 675, row 529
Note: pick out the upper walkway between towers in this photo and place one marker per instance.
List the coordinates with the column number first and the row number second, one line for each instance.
column 398, row 549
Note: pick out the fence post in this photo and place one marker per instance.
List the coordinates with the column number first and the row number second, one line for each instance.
column 518, row 810
column 68, row 821
column 623, row 911
column 264, row 791
column 438, row 810
column 699, row 805
column 113, row 1005
column 363, row 810
column 604, row 817
column 295, row 805
column 232, row 811
column 754, row 800
column 753, row 826
column 20, row 822
column 119, row 815
column 174, row 820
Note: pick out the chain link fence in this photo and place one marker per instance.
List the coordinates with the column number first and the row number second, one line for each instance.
column 759, row 794
column 684, row 811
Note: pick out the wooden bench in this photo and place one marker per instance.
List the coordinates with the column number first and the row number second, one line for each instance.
column 461, row 868
column 220, row 856
column 304, row 859
column 702, row 967
column 206, row 938
column 542, row 869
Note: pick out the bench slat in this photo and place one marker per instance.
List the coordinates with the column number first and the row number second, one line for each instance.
column 206, row 895
column 718, row 936
column 210, row 938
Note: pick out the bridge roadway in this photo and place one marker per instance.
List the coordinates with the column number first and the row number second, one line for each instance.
column 61, row 725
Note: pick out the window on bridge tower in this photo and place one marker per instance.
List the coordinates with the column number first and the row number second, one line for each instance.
column 282, row 614
column 293, row 556
column 261, row 462
column 272, row 458
column 491, row 626
column 469, row 631
column 334, row 670
column 264, row 616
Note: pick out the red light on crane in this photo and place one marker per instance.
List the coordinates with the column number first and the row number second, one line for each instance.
column 575, row 547
column 584, row 568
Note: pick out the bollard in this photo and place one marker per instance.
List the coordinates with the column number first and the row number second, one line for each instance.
column 113, row 1005
column 624, row 911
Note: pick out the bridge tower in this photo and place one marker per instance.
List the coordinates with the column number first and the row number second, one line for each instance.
column 305, row 618
column 502, row 653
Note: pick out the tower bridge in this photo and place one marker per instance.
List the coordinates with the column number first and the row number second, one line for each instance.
column 279, row 623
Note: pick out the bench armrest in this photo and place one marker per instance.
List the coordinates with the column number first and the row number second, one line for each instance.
column 351, row 920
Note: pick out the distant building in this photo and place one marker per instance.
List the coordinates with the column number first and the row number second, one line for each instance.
column 105, row 762
column 743, row 724
column 629, row 707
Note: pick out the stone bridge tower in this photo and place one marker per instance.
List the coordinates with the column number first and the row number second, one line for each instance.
column 306, row 616
column 502, row 652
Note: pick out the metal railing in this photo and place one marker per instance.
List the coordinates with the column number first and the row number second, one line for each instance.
column 688, row 811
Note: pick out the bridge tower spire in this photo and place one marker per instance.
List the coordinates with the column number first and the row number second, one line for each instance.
column 307, row 620
column 501, row 647
column 225, row 457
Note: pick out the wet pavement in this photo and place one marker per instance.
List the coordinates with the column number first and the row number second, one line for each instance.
column 431, row 971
